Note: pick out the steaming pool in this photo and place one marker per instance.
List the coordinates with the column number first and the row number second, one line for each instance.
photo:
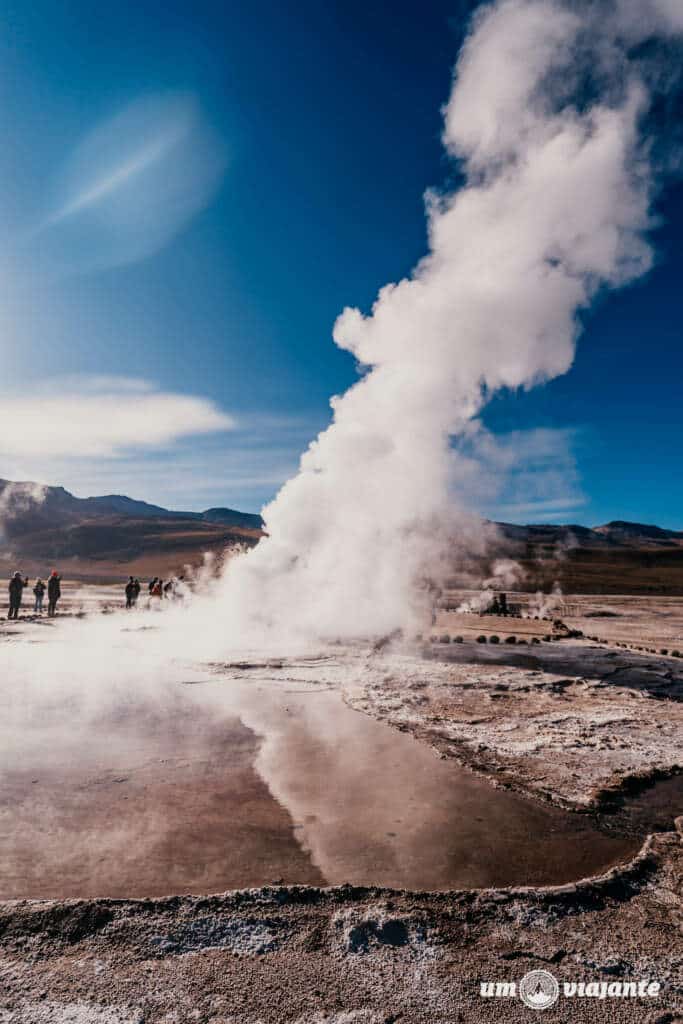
column 149, row 781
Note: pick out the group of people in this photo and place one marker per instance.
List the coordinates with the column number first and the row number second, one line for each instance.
column 18, row 583
column 132, row 592
column 158, row 590
column 172, row 589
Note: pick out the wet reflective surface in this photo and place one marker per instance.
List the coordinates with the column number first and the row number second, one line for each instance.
column 224, row 784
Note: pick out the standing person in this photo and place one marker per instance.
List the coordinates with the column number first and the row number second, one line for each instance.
column 54, row 592
column 130, row 592
column 136, row 590
column 16, row 590
column 157, row 592
column 152, row 584
column 39, row 593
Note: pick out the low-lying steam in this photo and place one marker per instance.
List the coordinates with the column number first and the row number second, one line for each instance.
column 546, row 117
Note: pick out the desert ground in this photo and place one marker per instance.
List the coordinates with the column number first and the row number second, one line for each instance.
column 361, row 835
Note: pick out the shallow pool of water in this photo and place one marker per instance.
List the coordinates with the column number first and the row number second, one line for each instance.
column 208, row 787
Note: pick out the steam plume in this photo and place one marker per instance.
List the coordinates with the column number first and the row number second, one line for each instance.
column 16, row 499
column 546, row 117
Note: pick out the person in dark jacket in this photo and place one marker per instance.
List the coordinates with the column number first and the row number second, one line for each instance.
column 38, row 593
column 16, row 590
column 54, row 592
column 130, row 592
column 136, row 590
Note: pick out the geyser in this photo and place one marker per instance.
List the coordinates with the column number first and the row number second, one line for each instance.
column 547, row 120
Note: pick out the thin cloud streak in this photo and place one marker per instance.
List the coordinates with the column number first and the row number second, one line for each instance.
column 242, row 467
column 132, row 184
column 118, row 176
column 79, row 421
column 521, row 474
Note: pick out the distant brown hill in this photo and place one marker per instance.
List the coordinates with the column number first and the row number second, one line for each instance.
column 110, row 536
column 617, row 558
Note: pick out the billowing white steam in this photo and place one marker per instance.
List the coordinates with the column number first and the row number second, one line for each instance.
column 506, row 574
column 542, row 606
column 16, row 499
column 545, row 116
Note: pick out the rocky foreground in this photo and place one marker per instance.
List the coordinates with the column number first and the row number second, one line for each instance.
column 575, row 722
column 349, row 955
column 572, row 722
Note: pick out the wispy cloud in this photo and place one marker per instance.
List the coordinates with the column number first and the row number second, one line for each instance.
column 131, row 185
column 556, row 508
column 212, row 459
column 183, row 480
column 101, row 417
column 523, row 475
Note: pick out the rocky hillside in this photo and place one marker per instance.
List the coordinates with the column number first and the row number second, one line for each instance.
column 617, row 558
column 105, row 537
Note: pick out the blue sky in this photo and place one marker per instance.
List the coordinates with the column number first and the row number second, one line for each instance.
column 298, row 142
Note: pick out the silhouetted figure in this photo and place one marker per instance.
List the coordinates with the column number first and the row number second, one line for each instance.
column 152, row 584
column 136, row 590
column 16, row 590
column 156, row 592
column 130, row 592
column 54, row 592
column 38, row 593
column 503, row 604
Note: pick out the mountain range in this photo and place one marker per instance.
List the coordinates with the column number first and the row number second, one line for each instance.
column 616, row 558
column 112, row 535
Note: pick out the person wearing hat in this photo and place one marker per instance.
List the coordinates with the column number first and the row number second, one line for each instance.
column 54, row 592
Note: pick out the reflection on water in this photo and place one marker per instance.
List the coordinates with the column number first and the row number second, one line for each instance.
column 374, row 805
column 223, row 785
